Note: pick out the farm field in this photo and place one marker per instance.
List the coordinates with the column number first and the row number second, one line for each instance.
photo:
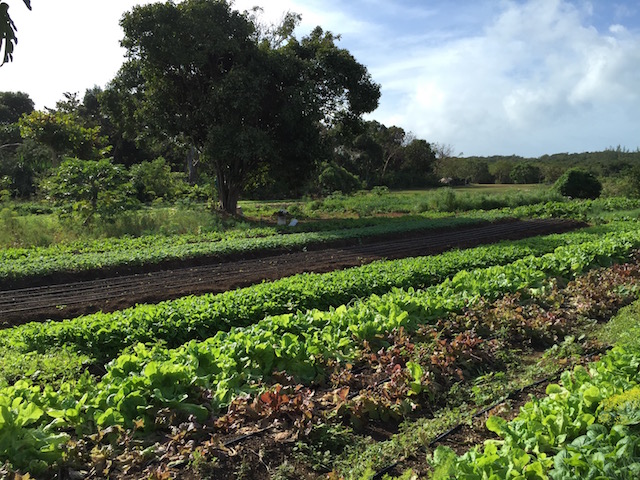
column 354, row 373
column 62, row 262
column 106, row 257
column 383, row 201
column 214, row 275
column 221, row 263
column 38, row 224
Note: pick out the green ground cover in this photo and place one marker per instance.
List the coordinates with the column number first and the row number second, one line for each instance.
column 27, row 224
column 102, row 335
column 382, row 201
column 586, row 427
column 18, row 263
column 574, row 311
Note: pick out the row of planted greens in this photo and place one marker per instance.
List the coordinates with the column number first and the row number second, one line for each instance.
column 104, row 335
column 479, row 359
column 18, row 263
column 201, row 377
column 576, row 209
column 588, row 427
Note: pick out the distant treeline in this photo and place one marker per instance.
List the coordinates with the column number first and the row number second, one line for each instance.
column 616, row 167
column 612, row 162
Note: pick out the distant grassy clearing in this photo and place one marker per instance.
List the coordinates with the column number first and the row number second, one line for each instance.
column 502, row 188
column 381, row 201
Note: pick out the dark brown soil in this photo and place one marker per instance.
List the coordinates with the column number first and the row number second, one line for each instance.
column 90, row 292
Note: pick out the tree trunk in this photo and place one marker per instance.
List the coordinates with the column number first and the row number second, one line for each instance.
column 228, row 194
column 192, row 162
column 386, row 164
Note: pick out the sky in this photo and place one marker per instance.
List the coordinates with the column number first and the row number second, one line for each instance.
column 486, row 77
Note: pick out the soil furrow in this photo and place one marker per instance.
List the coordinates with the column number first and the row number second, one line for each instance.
column 107, row 294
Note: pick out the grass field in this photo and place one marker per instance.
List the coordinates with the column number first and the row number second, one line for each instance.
column 501, row 188
column 381, row 201
column 20, row 227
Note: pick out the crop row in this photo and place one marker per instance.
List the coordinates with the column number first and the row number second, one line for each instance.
column 104, row 335
column 576, row 209
column 587, row 427
column 455, row 348
column 19, row 263
column 202, row 376
column 30, row 262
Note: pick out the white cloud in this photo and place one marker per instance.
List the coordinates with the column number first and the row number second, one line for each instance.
column 430, row 96
column 536, row 77
column 617, row 29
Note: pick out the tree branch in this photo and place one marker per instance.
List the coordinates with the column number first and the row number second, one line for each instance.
column 7, row 145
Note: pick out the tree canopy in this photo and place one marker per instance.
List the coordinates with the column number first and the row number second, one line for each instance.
column 252, row 102
column 63, row 134
column 13, row 105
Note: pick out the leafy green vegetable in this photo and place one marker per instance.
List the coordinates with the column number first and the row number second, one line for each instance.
column 557, row 437
column 18, row 263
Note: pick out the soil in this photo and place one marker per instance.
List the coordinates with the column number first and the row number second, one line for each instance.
column 69, row 295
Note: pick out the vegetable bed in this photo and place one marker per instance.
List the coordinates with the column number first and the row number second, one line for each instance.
column 198, row 380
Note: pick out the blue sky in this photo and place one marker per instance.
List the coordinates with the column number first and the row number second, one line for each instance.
column 524, row 77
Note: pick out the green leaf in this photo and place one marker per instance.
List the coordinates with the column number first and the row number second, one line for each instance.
column 416, row 373
column 109, row 417
column 553, row 388
column 29, row 415
column 496, row 425
column 520, row 458
column 592, row 395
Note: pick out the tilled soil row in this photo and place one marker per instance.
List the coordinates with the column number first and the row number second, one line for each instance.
column 68, row 300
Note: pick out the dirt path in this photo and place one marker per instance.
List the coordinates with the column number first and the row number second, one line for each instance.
column 69, row 300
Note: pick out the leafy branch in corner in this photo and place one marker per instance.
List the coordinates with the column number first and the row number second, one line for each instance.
column 8, row 31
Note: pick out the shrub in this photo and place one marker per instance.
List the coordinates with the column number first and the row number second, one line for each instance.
column 576, row 183
column 336, row 178
column 155, row 179
column 86, row 188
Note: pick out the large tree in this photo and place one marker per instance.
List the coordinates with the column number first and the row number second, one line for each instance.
column 418, row 158
column 13, row 105
column 252, row 103
column 392, row 140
